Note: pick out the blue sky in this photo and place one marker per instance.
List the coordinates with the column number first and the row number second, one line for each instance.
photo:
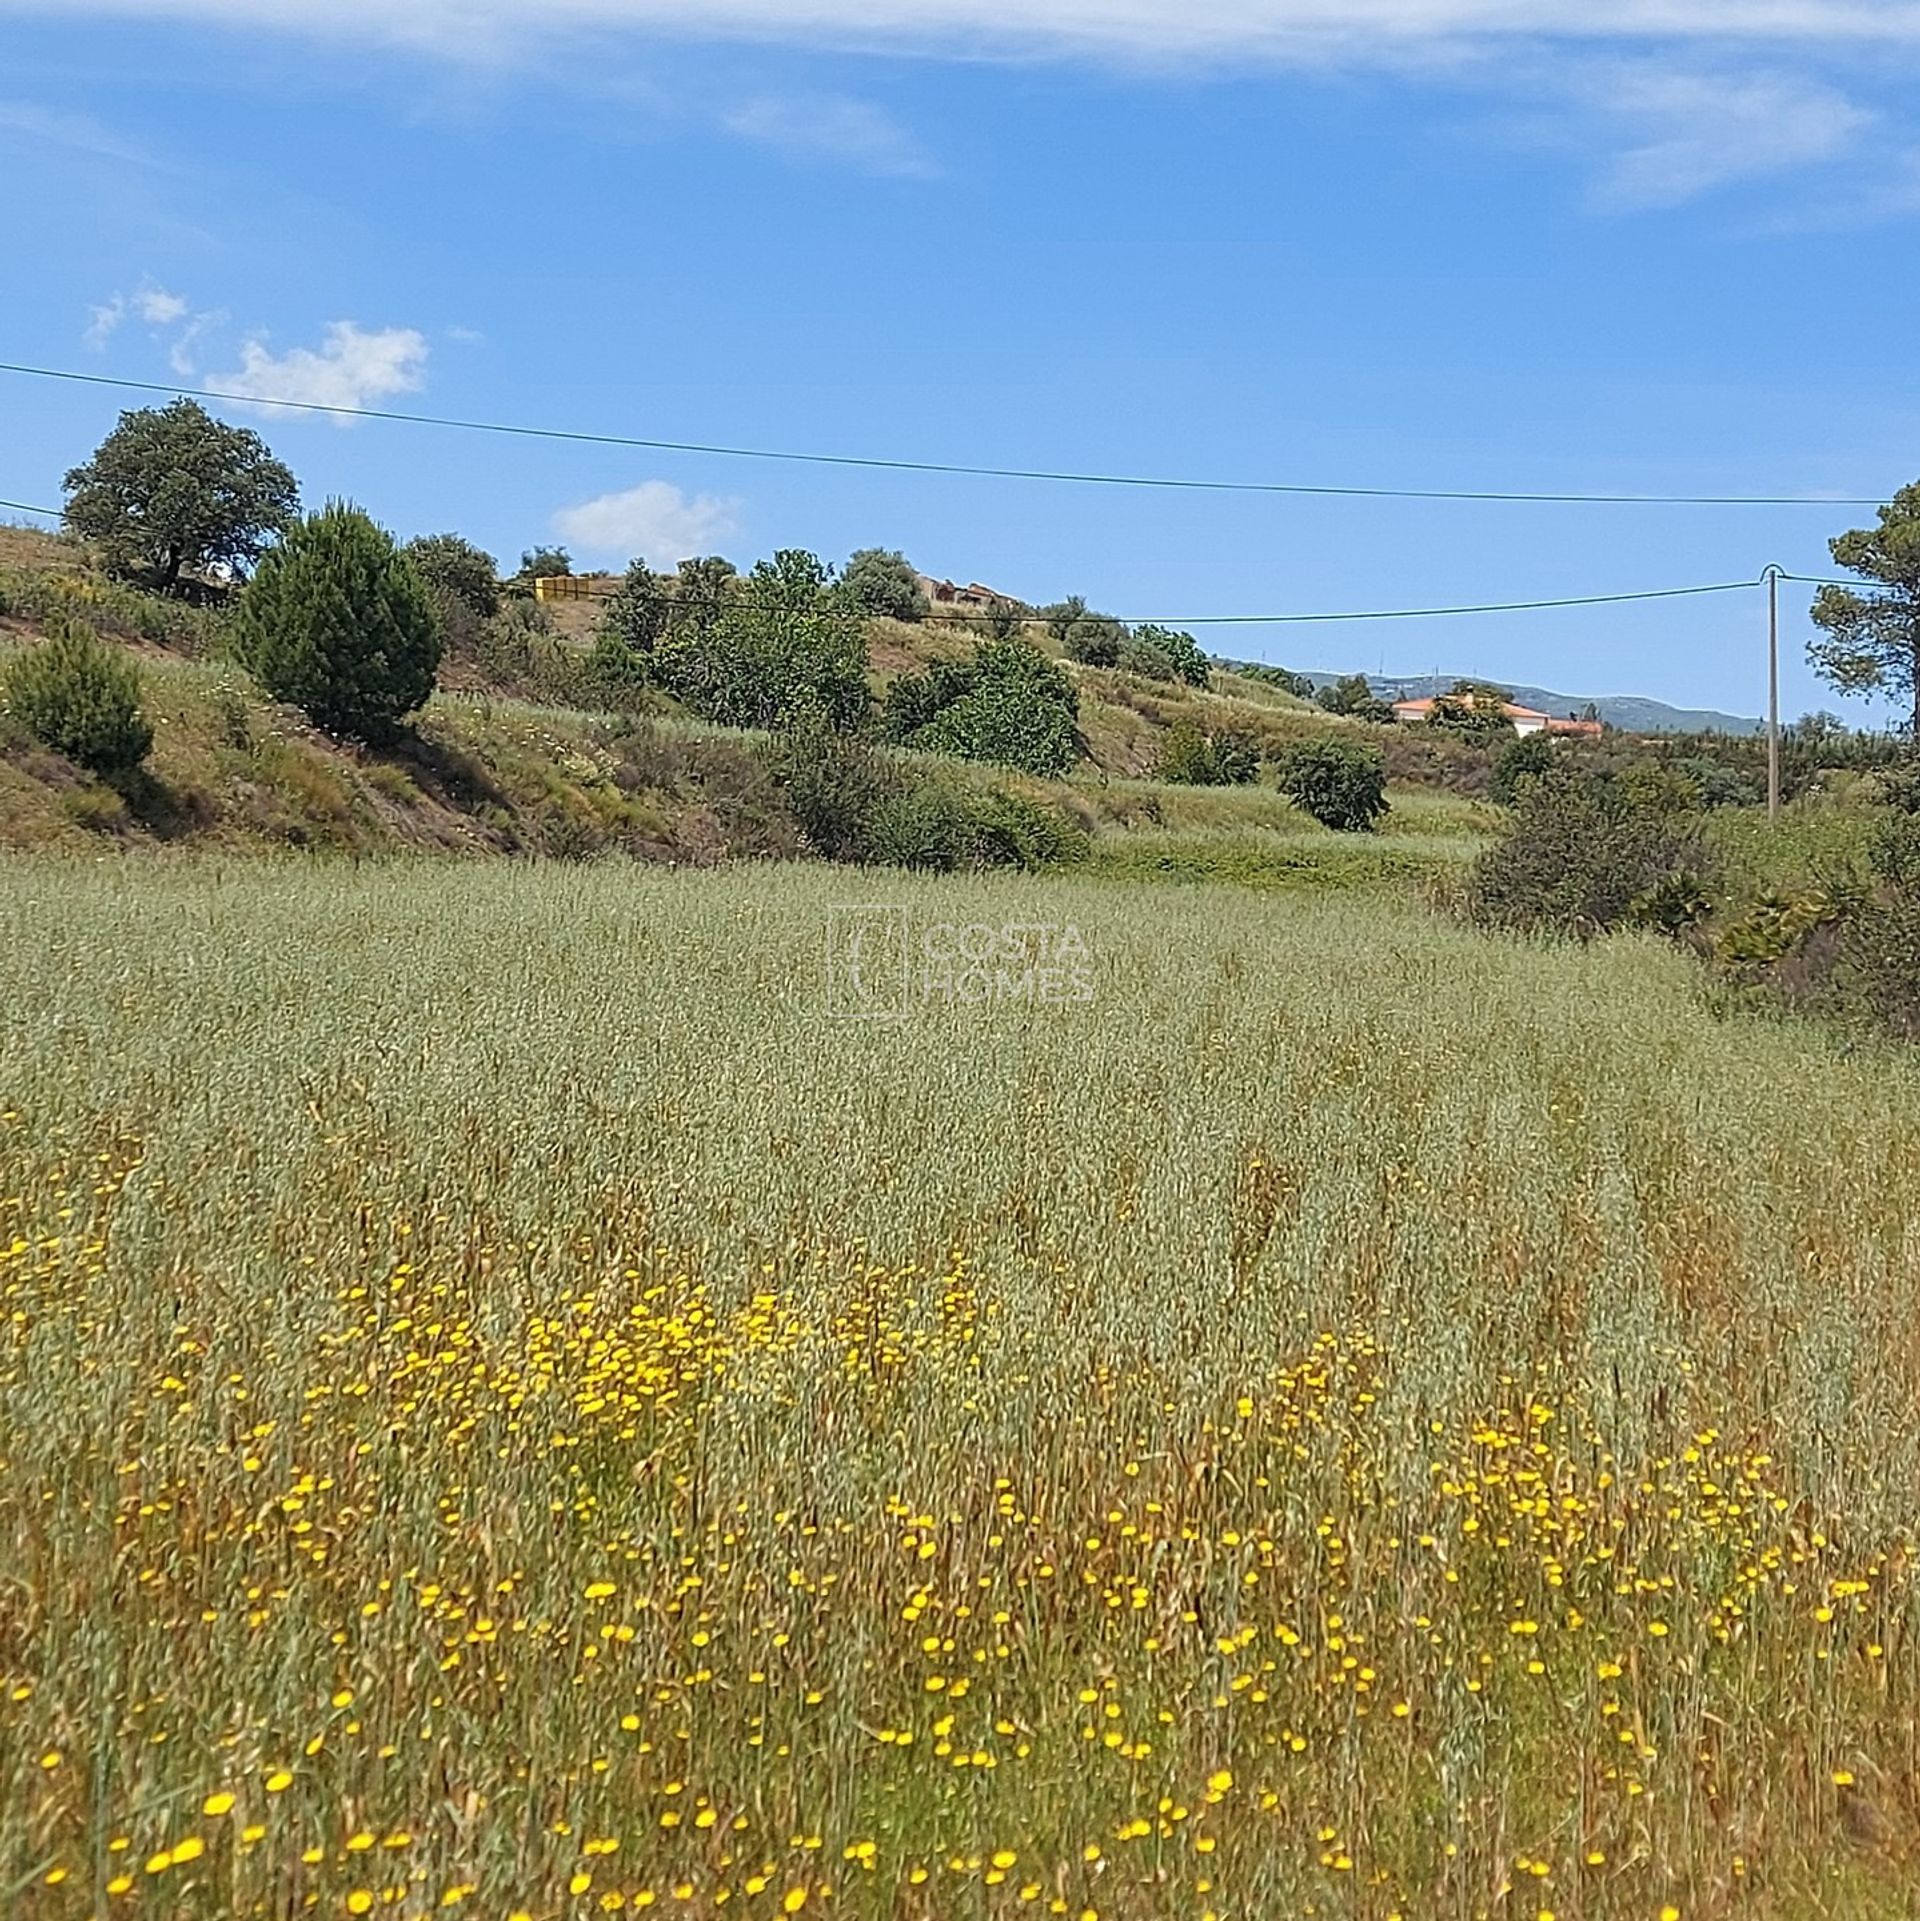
column 1388, row 242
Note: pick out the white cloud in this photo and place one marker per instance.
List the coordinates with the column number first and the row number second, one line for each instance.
column 832, row 128
column 156, row 306
column 654, row 522
column 350, row 368
column 1153, row 28
column 103, row 322
column 1692, row 131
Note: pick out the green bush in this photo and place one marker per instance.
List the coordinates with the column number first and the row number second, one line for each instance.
column 464, row 583
column 1010, row 830
column 509, row 644
column 1355, row 698
column 1095, row 641
column 1341, row 783
column 778, row 647
column 1878, row 959
column 1007, row 703
column 1475, row 710
column 1180, row 651
column 1582, row 854
column 879, row 582
column 1142, row 657
column 853, row 802
column 338, row 622
column 832, row 785
column 926, row 824
column 80, row 697
column 1192, row 757
column 1520, row 761
column 1283, row 678
column 626, row 644
column 1186, row 757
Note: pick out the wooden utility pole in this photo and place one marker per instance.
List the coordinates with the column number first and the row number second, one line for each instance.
column 1773, row 693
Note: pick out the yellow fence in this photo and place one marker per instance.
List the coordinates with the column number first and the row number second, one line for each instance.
column 575, row 586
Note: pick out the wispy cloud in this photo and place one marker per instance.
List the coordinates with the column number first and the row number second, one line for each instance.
column 654, row 522
column 157, row 308
column 351, row 367
column 832, row 128
column 1689, row 131
column 76, row 132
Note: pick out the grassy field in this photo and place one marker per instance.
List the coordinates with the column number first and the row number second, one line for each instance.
column 507, row 1406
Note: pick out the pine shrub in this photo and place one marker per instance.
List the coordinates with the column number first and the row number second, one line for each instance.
column 339, row 623
column 80, row 697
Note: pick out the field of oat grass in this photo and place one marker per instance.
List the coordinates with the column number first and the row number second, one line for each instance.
column 509, row 1405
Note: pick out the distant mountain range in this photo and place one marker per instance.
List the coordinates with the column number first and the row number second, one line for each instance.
column 1631, row 712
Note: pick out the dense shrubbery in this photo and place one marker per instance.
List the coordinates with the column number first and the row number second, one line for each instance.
column 1584, row 854
column 877, row 581
column 1341, row 783
column 1284, row 678
column 1475, row 710
column 1523, row 760
column 339, row 623
column 463, row 582
column 1006, row 703
column 111, row 607
column 80, row 697
column 1880, row 947
column 1165, row 653
column 1353, row 697
column 1190, row 756
column 857, row 803
column 763, row 650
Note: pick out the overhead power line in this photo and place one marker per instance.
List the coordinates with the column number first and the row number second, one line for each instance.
column 958, row 617
column 1510, row 496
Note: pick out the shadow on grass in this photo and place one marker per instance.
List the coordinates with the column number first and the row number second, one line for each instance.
column 165, row 811
column 450, row 775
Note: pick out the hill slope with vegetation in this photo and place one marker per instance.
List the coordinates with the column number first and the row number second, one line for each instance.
column 524, row 748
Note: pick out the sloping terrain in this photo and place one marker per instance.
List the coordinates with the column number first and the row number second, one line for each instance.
column 486, row 772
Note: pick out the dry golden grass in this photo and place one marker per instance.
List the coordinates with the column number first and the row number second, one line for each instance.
column 507, row 1408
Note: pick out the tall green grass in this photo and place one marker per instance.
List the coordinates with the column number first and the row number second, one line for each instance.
column 489, row 1361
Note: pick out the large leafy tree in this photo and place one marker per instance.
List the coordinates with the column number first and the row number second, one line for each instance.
column 1870, row 642
column 1354, row 697
column 455, row 569
column 1474, row 709
column 1007, row 703
column 172, row 488
column 768, row 650
column 339, row 623
column 463, row 582
column 1183, row 653
column 878, row 581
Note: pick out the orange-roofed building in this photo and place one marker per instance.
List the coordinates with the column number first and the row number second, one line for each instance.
column 1526, row 720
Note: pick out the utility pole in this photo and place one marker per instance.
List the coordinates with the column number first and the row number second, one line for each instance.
column 1773, row 693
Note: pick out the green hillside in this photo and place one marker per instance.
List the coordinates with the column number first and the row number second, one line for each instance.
column 518, row 762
